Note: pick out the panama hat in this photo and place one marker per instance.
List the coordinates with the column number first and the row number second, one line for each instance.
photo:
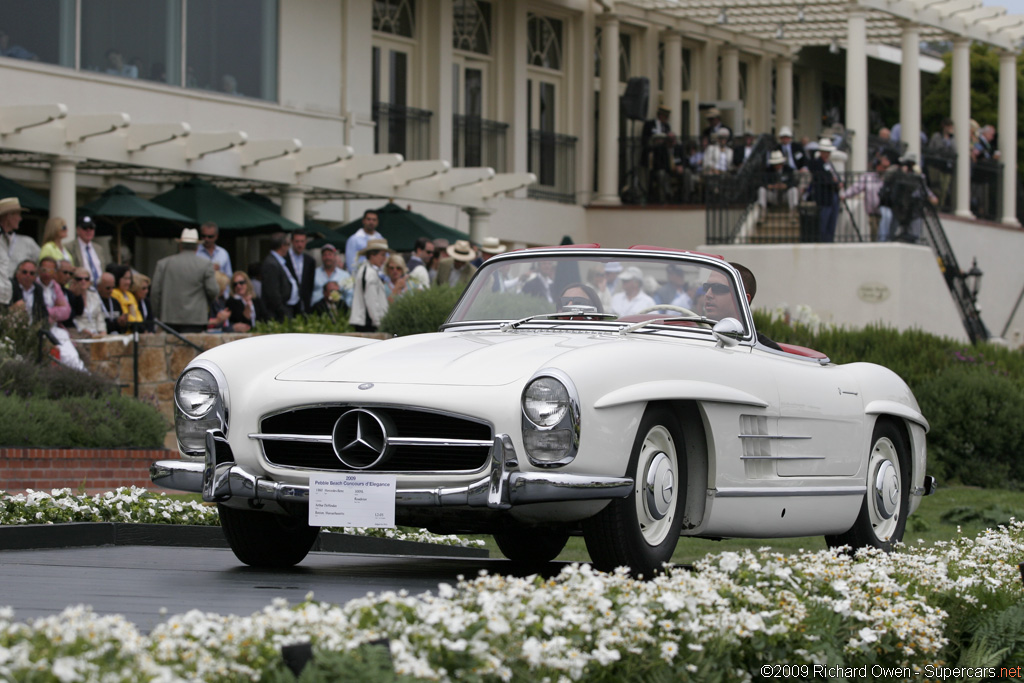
column 462, row 250
column 785, row 132
column 491, row 245
column 713, row 113
column 825, row 145
column 776, row 157
column 189, row 236
column 10, row 205
column 374, row 245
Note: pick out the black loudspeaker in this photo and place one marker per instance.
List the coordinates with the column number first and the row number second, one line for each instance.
column 634, row 100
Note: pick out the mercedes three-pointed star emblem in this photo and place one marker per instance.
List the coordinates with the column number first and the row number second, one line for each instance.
column 361, row 438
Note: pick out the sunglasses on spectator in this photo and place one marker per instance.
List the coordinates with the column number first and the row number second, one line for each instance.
column 717, row 288
column 87, row 227
column 209, row 237
column 576, row 301
column 69, row 273
column 83, row 279
column 27, row 272
column 236, row 283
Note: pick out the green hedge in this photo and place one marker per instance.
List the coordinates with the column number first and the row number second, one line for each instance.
column 420, row 311
column 973, row 396
column 55, row 407
column 309, row 324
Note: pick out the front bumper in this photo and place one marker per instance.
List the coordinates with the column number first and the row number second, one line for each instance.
column 502, row 486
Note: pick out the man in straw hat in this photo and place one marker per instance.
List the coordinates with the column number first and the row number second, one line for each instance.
column 456, row 270
column 779, row 182
column 824, row 190
column 14, row 248
column 488, row 247
column 183, row 286
column 714, row 117
column 369, row 290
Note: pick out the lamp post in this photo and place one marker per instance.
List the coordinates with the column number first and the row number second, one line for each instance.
column 972, row 279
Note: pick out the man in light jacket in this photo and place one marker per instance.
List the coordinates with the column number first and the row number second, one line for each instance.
column 183, row 287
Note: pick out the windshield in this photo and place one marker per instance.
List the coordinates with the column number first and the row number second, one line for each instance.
column 594, row 287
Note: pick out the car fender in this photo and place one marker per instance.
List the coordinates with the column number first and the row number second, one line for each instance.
column 884, row 407
column 670, row 390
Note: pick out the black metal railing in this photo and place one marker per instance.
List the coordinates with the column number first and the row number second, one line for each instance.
column 552, row 158
column 479, row 142
column 662, row 173
column 402, row 130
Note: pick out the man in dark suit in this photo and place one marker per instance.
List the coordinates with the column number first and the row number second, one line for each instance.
column 824, row 190
column 302, row 267
column 743, row 150
column 794, row 153
column 27, row 292
column 280, row 288
column 657, row 126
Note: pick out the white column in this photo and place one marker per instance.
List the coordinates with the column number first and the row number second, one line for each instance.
column 479, row 224
column 730, row 74
column 961, row 115
column 910, row 91
column 1008, row 134
column 356, row 86
column 608, row 130
column 674, row 78
column 293, row 204
column 857, row 88
column 439, row 96
column 783, row 92
column 62, row 190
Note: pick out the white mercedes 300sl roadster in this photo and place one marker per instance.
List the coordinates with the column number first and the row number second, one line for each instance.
column 621, row 394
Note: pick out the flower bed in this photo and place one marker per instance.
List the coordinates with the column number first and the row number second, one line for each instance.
column 738, row 616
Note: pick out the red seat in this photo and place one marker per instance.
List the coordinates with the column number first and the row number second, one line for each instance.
column 802, row 351
column 643, row 317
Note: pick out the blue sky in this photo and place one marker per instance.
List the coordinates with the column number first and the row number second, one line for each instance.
column 1012, row 6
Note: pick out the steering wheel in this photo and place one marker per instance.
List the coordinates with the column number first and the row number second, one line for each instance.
column 670, row 307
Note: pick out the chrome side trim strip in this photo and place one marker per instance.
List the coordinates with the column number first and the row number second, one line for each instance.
column 306, row 438
column 782, row 457
column 772, row 436
column 787, row 492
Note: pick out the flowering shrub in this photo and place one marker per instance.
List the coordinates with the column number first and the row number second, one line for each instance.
column 134, row 504
column 732, row 618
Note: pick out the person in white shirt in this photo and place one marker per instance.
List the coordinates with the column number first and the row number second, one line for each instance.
column 360, row 238
column 211, row 251
column 330, row 271
column 632, row 299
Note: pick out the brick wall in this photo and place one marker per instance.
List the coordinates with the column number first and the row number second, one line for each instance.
column 94, row 469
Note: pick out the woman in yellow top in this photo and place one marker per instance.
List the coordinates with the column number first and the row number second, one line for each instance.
column 123, row 292
column 53, row 240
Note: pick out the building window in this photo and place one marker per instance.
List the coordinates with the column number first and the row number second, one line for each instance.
column 397, row 17
column 35, row 30
column 544, row 42
column 132, row 39
column 471, row 29
column 232, row 47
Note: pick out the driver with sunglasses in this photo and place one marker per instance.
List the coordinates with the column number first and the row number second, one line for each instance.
column 720, row 300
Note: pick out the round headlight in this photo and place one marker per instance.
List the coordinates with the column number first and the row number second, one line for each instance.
column 545, row 401
column 196, row 392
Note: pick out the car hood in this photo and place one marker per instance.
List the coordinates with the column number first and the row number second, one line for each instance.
column 446, row 358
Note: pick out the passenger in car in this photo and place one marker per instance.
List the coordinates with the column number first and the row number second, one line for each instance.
column 750, row 285
column 579, row 294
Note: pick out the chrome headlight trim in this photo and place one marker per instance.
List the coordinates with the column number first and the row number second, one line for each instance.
column 190, row 428
column 568, row 423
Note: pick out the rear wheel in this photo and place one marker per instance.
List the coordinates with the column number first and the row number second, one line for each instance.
column 883, row 514
column 641, row 530
column 264, row 539
column 531, row 545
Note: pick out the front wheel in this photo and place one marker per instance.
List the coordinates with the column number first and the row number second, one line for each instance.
column 531, row 545
column 883, row 514
column 263, row 539
column 641, row 530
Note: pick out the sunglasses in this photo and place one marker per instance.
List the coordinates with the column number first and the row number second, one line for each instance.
column 27, row 272
column 716, row 288
column 209, row 237
column 83, row 279
column 239, row 283
column 69, row 273
column 576, row 301
column 86, row 227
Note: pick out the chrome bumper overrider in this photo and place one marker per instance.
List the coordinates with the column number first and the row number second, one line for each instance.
column 501, row 487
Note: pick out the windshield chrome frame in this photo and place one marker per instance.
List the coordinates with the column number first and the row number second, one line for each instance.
column 598, row 326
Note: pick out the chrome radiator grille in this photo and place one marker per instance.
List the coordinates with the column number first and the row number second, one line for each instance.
column 411, row 440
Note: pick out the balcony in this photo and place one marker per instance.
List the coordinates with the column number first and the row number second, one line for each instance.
column 552, row 158
column 478, row 142
column 402, row 130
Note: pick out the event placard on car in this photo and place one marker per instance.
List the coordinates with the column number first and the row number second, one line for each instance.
column 349, row 500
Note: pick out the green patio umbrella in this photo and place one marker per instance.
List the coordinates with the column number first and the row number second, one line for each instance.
column 203, row 202
column 400, row 227
column 27, row 198
column 120, row 207
column 264, row 202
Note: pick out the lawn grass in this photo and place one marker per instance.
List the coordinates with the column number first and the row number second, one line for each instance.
column 937, row 518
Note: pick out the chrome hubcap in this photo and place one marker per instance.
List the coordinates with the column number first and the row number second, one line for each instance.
column 661, row 483
column 885, row 488
column 656, row 490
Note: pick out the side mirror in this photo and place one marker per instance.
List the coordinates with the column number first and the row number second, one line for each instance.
column 728, row 332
